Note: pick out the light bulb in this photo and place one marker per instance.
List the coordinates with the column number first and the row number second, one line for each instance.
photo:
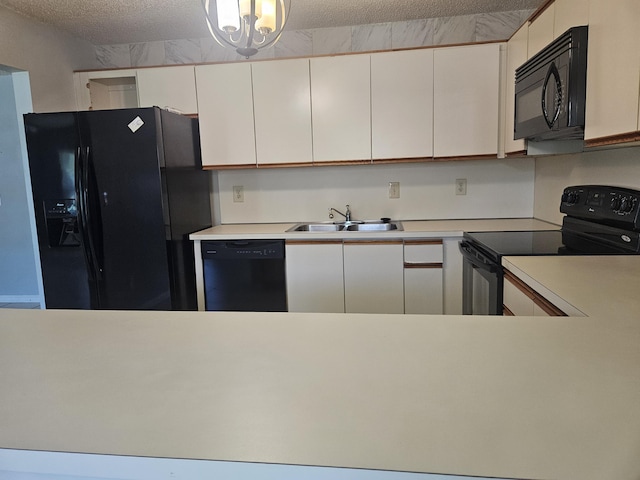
column 245, row 8
column 228, row 16
column 267, row 22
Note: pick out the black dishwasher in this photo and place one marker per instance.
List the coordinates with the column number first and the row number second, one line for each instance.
column 244, row 275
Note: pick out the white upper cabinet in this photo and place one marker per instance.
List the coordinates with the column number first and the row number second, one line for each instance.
column 541, row 31
column 569, row 13
column 402, row 104
column 225, row 111
column 173, row 87
column 466, row 100
column 613, row 68
column 516, row 56
column 282, row 108
column 341, row 114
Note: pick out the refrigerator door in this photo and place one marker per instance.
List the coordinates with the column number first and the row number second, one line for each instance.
column 124, row 159
column 53, row 144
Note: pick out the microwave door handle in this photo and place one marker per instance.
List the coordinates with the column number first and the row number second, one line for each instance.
column 552, row 72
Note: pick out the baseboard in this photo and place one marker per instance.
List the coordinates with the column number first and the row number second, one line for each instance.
column 19, row 299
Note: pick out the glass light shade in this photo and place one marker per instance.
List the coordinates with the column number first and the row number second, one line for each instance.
column 267, row 22
column 245, row 8
column 232, row 25
column 228, row 19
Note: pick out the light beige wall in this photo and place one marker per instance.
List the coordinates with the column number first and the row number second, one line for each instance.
column 49, row 55
column 495, row 188
column 619, row 167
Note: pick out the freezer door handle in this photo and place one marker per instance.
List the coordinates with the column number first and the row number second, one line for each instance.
column 86, row 221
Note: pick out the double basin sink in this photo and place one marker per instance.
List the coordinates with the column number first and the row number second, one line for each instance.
column 353, row 226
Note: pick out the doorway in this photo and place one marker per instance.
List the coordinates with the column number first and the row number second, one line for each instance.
column 20, row 275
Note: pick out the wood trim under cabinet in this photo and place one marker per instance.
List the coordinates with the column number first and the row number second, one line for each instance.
column 613, row 139
column 313, row 242
column 489, row 156
column 516, row 154
column 424, row 242
column 548, row 307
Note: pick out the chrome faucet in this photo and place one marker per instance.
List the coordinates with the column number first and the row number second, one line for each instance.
column 347, row 216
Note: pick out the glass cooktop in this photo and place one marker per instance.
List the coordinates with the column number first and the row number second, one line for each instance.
column 537, row 242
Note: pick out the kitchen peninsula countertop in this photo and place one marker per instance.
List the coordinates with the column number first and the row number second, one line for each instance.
column 535, row 398
column 412, row 228
column 602, row 285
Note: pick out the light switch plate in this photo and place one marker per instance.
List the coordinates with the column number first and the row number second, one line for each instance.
column 394, row 189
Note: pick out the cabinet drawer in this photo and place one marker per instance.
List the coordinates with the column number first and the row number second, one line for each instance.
column 423, row 251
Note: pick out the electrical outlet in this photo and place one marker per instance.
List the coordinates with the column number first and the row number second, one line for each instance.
column 461, row 186
column 238, row 193
column 394, row 189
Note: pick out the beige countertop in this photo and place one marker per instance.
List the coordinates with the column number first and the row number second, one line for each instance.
column 412, row 228
column 603, row 286
column 536, row 398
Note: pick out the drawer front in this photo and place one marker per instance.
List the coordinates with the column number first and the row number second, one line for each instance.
column 423, row 251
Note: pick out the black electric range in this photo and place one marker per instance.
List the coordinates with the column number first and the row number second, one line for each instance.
column 599, row 220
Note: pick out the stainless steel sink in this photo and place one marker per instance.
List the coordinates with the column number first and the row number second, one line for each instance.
column 354, row 226
column 316, row 227
column 374, row 227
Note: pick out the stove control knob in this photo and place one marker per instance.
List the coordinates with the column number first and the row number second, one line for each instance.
column 630, row 205
column 625, row 205
column 615, row 204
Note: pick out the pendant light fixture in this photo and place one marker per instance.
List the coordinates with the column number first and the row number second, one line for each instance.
column 247, row 26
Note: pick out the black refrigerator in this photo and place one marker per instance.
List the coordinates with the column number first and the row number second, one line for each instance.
column 116, row 194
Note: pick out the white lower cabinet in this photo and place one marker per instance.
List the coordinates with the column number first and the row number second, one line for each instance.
column 314, row 276
column 373, row 276
column 365, row 276
column 423, row 276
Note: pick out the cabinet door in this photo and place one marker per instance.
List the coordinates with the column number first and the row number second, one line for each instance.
column 314, row 277
column 569, row 13
column 466, row 98
column 373, row 277
column 282, row 105
column 516, row 56
column 541, row 31
column 173, row 87
column 423, row 276
column 613, row 73
column 423, row 290
column 225, row 112
column 402, row 104
column 341, row 108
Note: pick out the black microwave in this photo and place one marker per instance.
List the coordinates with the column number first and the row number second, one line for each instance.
column 551, row 89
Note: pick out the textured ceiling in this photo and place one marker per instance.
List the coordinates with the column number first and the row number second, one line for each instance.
column 104, row 22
